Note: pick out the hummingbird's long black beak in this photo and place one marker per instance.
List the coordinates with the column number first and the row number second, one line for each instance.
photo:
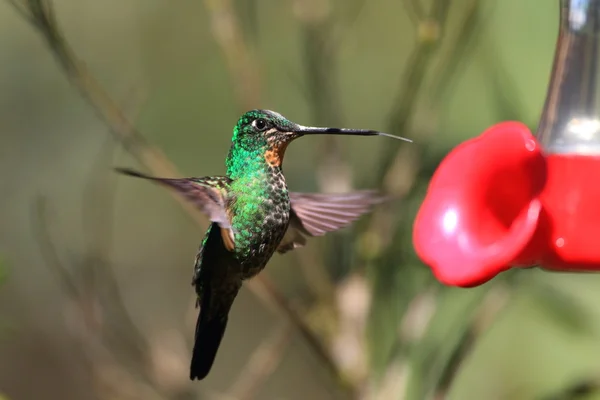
column 311, row 130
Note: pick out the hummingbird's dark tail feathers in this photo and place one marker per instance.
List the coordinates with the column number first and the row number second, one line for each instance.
column 215, row 303
column 206, row 343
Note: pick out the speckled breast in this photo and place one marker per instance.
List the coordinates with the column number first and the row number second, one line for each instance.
column 268, row 226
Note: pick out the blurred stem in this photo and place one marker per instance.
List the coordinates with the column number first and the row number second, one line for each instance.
column 243, row 68
column 393, row 161
column 22, row 9
column 43, row 19
column 485, row 313
column 286, row 310
column 48, row 248
column 398, row 170
column 406, row 168
column 505, row 92
column 247, row 14
column 436, row 364
column 319, row 63
column 429, row 32
column 461, row 44
column 334, row 175
column 579, row 390
column 399, row 174
column 262, row 364
column 100, row 189
column 93, row 288
column 97, row 275
column 414, row 9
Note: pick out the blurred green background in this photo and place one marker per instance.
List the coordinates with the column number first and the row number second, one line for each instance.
column 76, row 333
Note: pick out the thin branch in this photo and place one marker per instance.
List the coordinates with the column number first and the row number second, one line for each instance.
column 286, row 311
column 110, row 336
column 486, row 314
column 315, row 274
column 578, row 390
column 399, row 168
column 460, row 45
column 48, row 249
column 123, row 131
column 262, row 363
column 407, row 168
column 393, row 159
column 461, row 350
column 349, row 24
column 100, row 189
column 414, row 77
column 120, row 334
column 97, row 229
column 415, row 10
column 123, row 338
column 241, row 63
column 319, row 66
column 21, row 9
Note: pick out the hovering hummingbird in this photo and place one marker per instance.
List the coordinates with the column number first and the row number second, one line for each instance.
column 252, row 215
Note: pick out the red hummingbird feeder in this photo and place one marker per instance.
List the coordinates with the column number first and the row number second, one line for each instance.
column 510, row 199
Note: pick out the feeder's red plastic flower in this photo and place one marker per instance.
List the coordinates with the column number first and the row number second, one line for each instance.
column 497, row 202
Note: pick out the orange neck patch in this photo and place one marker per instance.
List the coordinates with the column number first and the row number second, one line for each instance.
column 274, row 156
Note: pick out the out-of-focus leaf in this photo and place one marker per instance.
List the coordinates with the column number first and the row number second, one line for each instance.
column 565, row 309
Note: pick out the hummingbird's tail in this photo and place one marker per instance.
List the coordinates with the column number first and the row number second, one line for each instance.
column 215, row 304
column 206, row 343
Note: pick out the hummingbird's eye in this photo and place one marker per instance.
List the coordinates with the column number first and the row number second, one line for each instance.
column 259, row 124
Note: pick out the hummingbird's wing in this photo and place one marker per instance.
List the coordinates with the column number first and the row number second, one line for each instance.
column 208, row 193
column 315, row 214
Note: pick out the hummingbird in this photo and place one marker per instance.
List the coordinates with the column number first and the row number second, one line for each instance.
column 253, row 215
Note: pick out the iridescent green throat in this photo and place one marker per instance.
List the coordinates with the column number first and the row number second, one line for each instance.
column 246, row 159
column 251, row 178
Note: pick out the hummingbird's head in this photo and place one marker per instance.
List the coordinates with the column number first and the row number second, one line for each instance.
column 271, row 132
